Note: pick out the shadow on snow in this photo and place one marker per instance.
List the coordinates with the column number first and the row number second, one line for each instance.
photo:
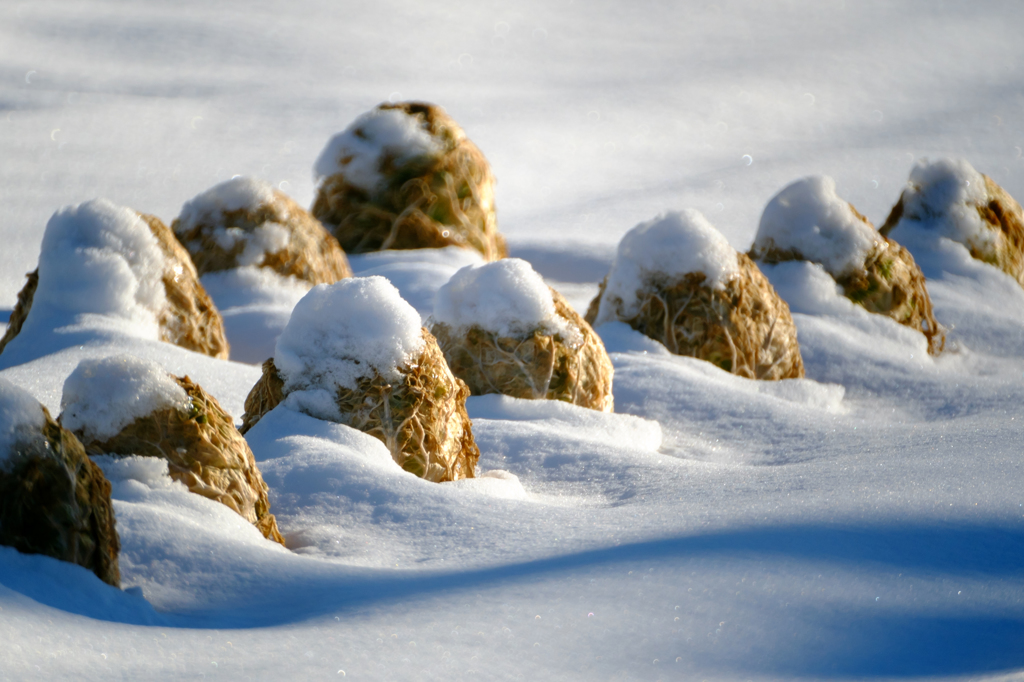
column 841, row 642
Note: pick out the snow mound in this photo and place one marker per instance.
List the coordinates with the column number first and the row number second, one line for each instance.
column 236, row 194
column 670, row 246
column 359, row 150
column 506, row 297
column 609, row 428
column 21, row 417
column 809, row 218
column 101, row 397
column 619, row 337
column 942, row 196
column 341, row 332
column 101, row 258
column 813, row 394
column 498, row 483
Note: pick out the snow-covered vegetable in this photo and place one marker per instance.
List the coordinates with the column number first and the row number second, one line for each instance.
column 101, row 397
column 405, row 176
column 98, row 258
column 53, row 499
column 808, row 221
column 949, row 198
column 354, row 353
column 123, row 406
column 502, row 330
column 246, row 222
column 676, row 279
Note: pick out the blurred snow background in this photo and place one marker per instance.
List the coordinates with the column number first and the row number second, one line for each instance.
column 595, row 116
column 865, row 522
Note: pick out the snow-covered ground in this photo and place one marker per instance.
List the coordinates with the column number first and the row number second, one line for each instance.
column 867, row 521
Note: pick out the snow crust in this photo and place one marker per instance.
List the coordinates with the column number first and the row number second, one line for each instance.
column 506, row 297
column 809, row 217
column 674, row 244
column 21, row 418
column 942, row 197
column 359, row 150
column 341, row 332
column 103, row 396
column 100, row 258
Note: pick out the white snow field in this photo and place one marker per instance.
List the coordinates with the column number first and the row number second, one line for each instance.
column 866, row 522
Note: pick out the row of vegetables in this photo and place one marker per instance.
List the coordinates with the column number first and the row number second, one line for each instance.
column 404, row 176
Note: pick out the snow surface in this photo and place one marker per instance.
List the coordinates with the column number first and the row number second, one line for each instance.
column 255, row 304
column 506, row 297
column 669, row 246
column 359, row 150
column 21, row 418
column 942, row 197
column 101, row 397
column 809, row 217
column 341, row 332
column 863, row 523
column 150, row 471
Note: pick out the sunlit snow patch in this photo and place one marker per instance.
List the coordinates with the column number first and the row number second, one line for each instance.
column 497, row 483
column 255, row 304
